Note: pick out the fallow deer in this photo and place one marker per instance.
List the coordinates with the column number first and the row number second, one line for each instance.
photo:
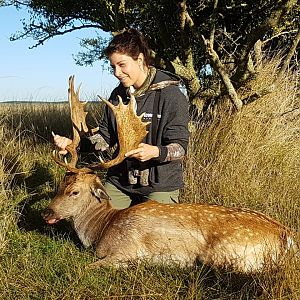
column 242, row 240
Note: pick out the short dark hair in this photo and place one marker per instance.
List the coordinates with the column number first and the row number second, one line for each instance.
column 130, row 42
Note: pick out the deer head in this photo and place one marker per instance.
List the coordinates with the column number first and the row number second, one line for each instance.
column 130, row 128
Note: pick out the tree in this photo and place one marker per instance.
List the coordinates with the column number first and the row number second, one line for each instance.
column 214, row 45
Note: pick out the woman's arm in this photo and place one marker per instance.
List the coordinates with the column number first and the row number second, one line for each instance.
column 175, row 135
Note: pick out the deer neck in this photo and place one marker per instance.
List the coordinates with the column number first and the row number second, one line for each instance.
column 91, row 221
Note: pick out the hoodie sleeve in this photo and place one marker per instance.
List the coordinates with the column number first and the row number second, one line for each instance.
column 174, row 118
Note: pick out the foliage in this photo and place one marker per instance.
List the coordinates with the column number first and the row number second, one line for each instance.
column 185, row 36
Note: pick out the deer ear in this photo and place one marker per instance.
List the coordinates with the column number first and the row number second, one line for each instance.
column 98, row 190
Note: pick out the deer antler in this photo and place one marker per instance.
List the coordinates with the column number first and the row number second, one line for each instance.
column 78, row 116
column 130, row 127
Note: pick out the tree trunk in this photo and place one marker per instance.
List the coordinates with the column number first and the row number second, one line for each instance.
column 258, row 55
column 218, row 66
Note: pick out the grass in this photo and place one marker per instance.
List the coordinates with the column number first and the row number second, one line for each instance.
column 246, row 160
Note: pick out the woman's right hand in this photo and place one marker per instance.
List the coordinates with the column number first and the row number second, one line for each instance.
column 61, row 142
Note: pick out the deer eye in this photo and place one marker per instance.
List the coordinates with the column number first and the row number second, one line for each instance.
column 74, row 193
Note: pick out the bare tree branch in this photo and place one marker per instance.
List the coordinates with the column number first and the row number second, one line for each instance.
column 218, row 66
column 184, row 16
column 50, row 35
column 213, row 23
column 277, row 35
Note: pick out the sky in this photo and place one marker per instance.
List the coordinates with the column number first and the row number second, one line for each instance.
column 41, row 73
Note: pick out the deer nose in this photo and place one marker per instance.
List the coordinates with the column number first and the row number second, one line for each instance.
column 47, row 213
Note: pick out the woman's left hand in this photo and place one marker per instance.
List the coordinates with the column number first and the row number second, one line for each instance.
column 144, row 152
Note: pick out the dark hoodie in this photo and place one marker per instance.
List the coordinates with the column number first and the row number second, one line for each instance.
column 172, row 127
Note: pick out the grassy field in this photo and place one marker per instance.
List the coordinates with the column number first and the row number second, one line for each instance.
column 247, row 160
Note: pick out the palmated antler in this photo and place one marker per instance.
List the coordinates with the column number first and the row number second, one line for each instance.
column 130, row 127
column 78, row 116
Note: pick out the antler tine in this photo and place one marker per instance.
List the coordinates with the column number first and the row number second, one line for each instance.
column 66, row 165
column 130, row 127
column 132, row 101
column 78, row 116
column 110, row 105
column 78, row 89
column 113, row 107
column 121, row 103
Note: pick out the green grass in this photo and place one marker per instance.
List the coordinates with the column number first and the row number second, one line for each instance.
column 246, row 160
column 43, row 267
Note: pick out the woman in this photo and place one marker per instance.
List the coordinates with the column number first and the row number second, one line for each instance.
column 154, row 169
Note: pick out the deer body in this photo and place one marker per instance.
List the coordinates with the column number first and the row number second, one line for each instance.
column 239, row 239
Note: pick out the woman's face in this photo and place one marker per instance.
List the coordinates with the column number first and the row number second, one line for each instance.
column 127, row 70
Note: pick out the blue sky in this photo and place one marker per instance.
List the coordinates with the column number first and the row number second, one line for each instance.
column 41, row 74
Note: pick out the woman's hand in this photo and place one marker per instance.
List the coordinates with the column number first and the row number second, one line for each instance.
column 144, row 152
column 61, row 142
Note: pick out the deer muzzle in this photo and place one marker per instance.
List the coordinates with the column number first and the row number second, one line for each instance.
column 49, row 216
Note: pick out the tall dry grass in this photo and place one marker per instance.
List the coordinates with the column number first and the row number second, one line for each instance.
column 37, row 120
column 250, row 159
column 12, row 163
